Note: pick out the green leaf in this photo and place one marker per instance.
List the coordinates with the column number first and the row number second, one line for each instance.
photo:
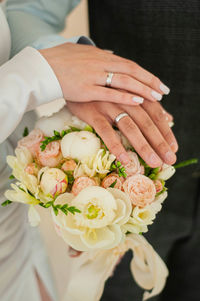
column 7, row 202
column 55, row 210
column 75, row 129
column 11, row 177
column 118, row 163
column 113, row 184
column 48, row 204
column 88, row 128
column 26, row 132
column 186, row 163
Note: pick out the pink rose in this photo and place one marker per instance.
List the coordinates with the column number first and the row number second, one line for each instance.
column 140, row 189
column 81, row 183
column 110, row 179
column 51, row 156
column 133, row 167
column 159, row 186
column 32, row 169
column 32, row 141
column 69, row 165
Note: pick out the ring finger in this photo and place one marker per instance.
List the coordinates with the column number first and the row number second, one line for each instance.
column 130, row 129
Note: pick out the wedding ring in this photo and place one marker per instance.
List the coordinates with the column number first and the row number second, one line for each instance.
column 109, row 79
column 120, row 116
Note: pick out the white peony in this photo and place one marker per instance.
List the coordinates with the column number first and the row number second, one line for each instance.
column 98, row 163
column 78, row 145
column 166, row 172
column 98, row 226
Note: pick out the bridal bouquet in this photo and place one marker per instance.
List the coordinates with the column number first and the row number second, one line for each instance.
column 98, row 206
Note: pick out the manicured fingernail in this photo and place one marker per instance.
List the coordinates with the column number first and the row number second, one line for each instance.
column 124, row 158
column 164, row 89
column 155, row 160
column 174, row 146
column 171, row 124
column 156, row 95
column 170, row 157
column 138, row 99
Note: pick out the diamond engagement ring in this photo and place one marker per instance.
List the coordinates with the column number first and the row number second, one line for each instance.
column 120, row 116
column 109, row 79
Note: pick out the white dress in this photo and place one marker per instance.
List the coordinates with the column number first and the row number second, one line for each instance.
column 22, row 87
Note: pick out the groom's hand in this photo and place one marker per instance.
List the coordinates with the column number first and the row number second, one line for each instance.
column 146, row 127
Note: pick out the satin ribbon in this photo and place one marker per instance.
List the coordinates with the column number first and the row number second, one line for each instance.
column 89, row 272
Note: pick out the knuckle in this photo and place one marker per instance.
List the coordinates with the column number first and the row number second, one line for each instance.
column 154, row 81
column 100, row 124
column 129, row 125
column 144, row 149
column 158, row 116
column 148, row 125
column 124, row 80
column 115, row 146
column 162, row 146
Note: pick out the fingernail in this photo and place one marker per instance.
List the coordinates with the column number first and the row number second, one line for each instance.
column 174, row 146
column 155, row 160
column 138, row 99
column 156, row 95
column 171, row 124
column 170, row 157
column 164, row 89
column 124, row 158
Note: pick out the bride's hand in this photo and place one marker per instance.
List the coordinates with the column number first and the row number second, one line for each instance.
column 82, row 72
column 146, row 128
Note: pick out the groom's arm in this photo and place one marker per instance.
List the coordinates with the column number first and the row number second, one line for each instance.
column 37, row 23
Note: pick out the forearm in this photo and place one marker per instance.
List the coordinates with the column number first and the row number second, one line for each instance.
column 26, row 81
column 37, row 23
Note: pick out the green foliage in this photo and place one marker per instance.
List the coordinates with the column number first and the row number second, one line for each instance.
column 64, row 208
column 118, row 167
column 113, row 184
column 186, row 163
column 6, row 203
column 57, row 136
column 25, row 132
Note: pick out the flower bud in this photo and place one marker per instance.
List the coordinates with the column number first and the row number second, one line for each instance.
column 54, row 182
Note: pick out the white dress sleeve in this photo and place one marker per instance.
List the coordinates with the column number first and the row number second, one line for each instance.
column 26, row 81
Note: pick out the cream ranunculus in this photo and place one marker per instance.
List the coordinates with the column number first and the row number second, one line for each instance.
column 78, row 145
column 99, row 163
column 166, row 172
column 98, row 226
column 53, row 182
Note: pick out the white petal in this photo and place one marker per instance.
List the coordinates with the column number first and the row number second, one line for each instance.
column 118, row 194
column 64, row 221
column 73, row 240
column 98, row 238
column 33, row 216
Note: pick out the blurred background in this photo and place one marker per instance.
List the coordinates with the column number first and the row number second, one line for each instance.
column 76, row 24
